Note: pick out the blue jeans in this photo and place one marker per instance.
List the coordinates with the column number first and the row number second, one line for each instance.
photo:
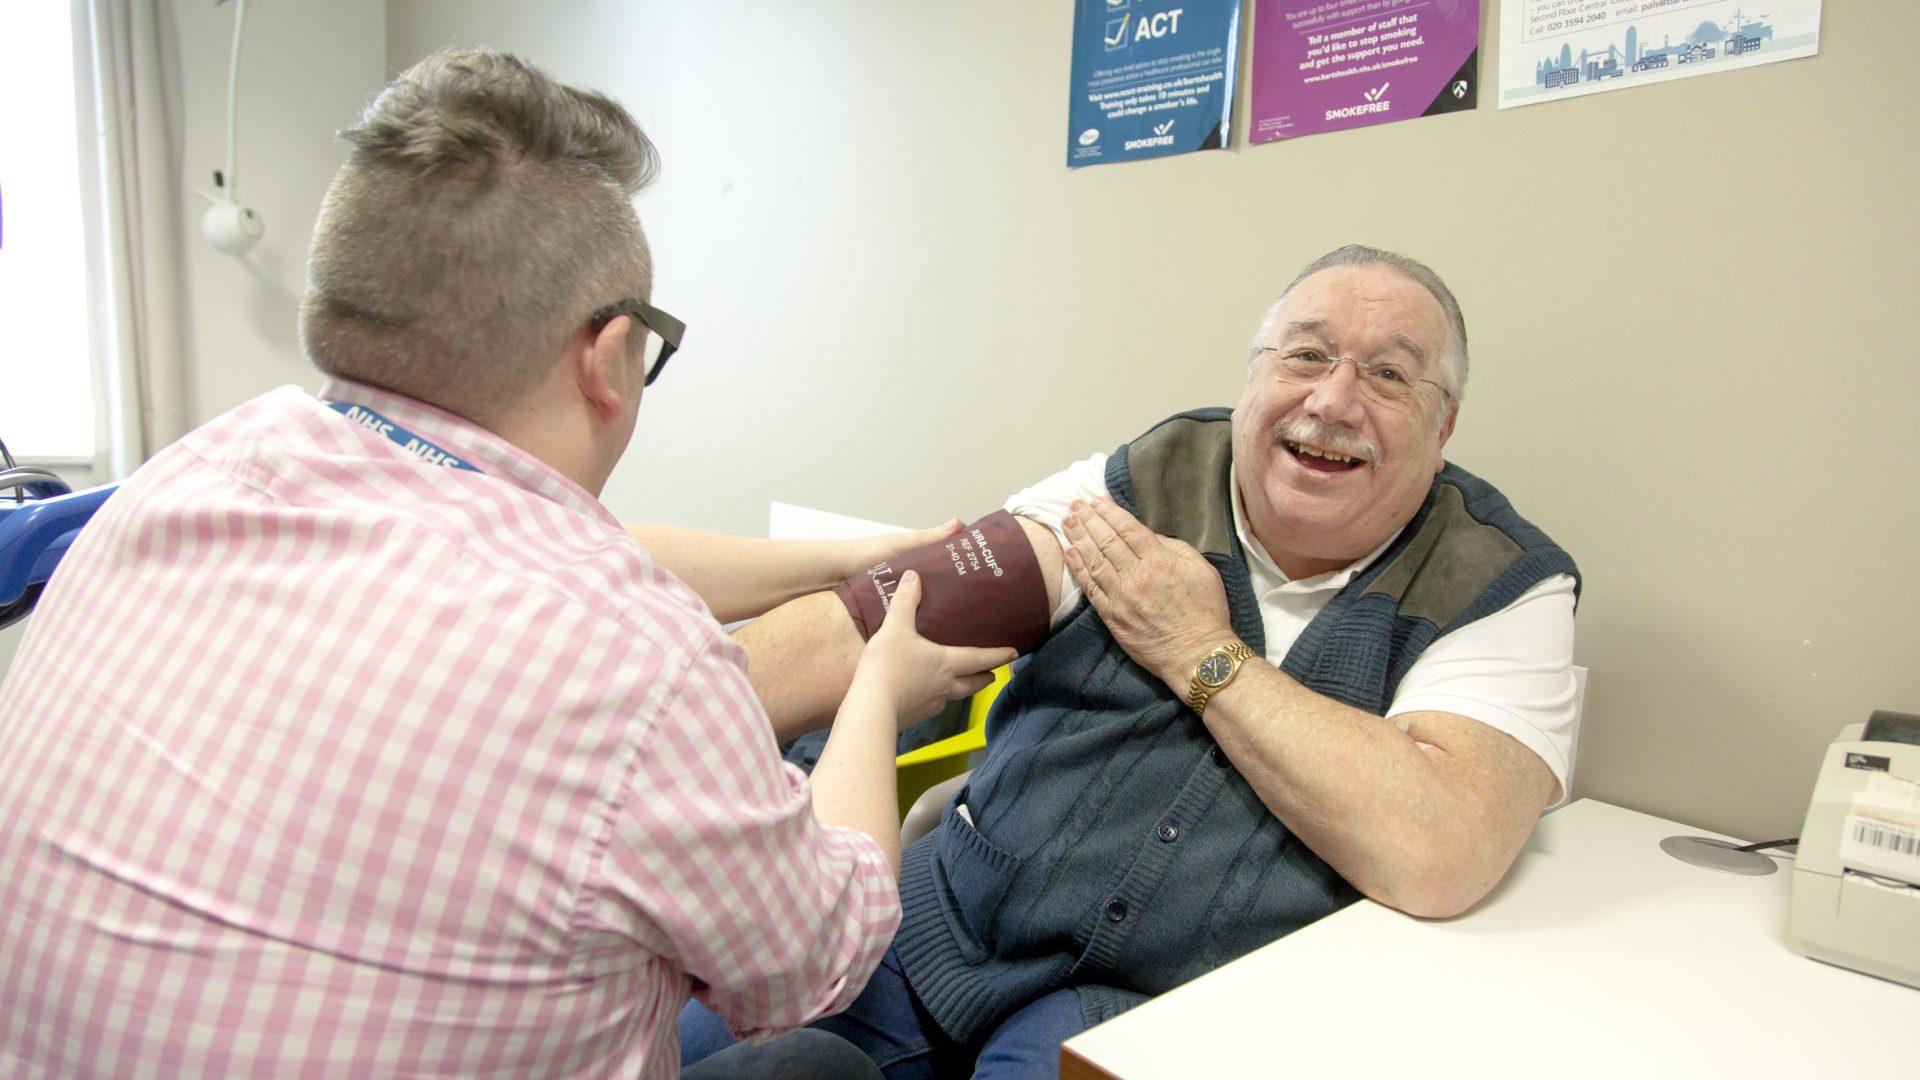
column 804, row 1055
column 888, row 1023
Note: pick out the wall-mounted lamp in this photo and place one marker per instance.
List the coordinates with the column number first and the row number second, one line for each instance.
column 229, row 225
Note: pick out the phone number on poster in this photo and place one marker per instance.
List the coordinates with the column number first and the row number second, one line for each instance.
column 1566, row 24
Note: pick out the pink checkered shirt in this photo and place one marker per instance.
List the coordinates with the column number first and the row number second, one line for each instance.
column 322, row 760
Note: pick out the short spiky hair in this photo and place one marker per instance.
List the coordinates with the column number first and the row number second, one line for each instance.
column 482, row 216
column 1453, row 359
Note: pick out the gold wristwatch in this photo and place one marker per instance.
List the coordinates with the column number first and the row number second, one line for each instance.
column 1214, row 672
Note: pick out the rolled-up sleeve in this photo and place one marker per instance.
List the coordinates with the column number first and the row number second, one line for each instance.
column 716, row 864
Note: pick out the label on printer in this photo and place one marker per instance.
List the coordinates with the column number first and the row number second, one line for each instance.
column 1881, row 832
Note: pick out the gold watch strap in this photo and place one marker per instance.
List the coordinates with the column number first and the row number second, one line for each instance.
column 1198, row 693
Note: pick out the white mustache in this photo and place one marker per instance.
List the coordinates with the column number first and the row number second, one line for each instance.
column 1315, row 433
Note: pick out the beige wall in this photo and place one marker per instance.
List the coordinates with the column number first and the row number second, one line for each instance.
column 1690, row 306
column 305, row 71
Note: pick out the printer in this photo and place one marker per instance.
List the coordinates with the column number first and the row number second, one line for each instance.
column 1856, row 876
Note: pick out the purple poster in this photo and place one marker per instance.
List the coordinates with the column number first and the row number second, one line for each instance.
column 1326, row 65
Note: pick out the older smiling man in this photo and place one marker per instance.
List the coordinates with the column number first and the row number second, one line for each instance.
column 1295, row 657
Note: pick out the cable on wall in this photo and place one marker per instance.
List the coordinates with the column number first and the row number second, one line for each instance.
column 230, row 225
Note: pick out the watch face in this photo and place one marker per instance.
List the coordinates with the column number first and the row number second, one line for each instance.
column 1215, row 669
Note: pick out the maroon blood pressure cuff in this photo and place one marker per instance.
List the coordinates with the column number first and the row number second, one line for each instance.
column 980, row 586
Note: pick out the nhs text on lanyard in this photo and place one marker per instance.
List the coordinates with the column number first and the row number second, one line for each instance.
column 411, row 443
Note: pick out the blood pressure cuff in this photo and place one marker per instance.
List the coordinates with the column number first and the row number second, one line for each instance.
column 980, row 586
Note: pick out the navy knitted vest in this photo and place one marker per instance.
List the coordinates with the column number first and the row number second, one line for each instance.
column 1113, row 847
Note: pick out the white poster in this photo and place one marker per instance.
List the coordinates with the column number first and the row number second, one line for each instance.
column 1553, row 49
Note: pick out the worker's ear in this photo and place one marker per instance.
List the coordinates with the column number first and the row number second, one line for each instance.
column 606, row 374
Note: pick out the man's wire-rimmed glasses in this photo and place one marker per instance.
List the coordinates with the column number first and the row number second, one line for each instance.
column 667, row 331
column 1381, row 381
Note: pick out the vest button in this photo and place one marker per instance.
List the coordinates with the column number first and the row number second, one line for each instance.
column 1116, row 910
column 1220, row 756
column 1168, row 832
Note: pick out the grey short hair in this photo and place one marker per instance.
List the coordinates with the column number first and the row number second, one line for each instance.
column 1453, row 357
column 483, row 215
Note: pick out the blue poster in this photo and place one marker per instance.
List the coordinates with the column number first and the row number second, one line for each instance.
column 1151, row 78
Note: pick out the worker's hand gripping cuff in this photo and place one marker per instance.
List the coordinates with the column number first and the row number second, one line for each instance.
column 980, row 586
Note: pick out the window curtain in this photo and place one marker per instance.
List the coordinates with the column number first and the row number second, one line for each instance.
column 130, row 142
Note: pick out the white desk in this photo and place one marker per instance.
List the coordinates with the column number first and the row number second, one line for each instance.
column 1599, row 955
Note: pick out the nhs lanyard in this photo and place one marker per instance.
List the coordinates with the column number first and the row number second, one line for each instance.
column 407, row 440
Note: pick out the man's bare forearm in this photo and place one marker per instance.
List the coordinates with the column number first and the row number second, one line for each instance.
column 741, row 576
column 800, row 659
column 1425, row 820
column 853, row 784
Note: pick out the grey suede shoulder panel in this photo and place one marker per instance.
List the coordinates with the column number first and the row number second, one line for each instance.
column 1165, row 463
column 1438, row 585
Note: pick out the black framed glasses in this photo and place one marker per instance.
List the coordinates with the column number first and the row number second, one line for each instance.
column 667, row 331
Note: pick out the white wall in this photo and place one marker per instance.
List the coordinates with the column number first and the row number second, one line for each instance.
column 9, row 642
column 305, row 71
column 1688, row 304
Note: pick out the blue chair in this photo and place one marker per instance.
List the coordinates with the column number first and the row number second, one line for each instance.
column 37, row 525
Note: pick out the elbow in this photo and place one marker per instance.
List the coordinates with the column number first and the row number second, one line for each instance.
column 1434, row 902
column 1446, row 868
column 1429, row 887
column 1426, row 899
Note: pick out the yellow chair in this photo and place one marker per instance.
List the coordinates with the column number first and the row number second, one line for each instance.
column 921, row 769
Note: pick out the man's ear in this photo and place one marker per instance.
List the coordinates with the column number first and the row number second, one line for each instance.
column 1446, row 432
column 603, row 370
